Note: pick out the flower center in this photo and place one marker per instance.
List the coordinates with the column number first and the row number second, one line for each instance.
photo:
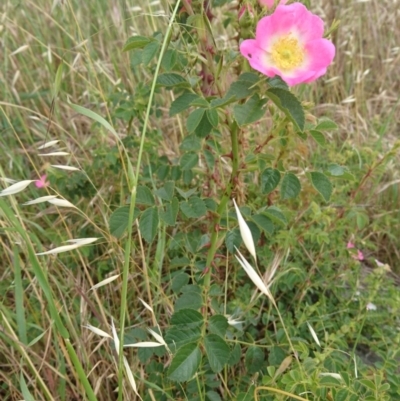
column 287, row 53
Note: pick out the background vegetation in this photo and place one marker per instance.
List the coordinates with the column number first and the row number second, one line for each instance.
column 318, row 280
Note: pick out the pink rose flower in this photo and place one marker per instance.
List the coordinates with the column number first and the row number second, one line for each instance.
column 359, row 256
column 270, row 3
column 42, row 183
column 289, row 43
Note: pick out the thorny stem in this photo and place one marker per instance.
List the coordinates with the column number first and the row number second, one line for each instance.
column 234, row 129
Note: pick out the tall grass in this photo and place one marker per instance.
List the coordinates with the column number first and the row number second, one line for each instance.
column 46, row 353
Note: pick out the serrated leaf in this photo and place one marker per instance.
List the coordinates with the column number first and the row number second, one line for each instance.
column 194, row 207
column 322, row 184
column 136, row 42
column 189, row 300
column 186, row 194
column 167, row 191
column 149, row 51
column 270, row 178
column 275, row 214
column 185, row 363
column 179, row 281
column 217, row 350
column 200, row 102
column 278, row 82
column 144, row 196
column 119, row 220
column 182, row 103
column 171, row 212
column 243, row 87
column 213, row 118
column 319, row 137
column 204, row 127
column 249, row 112
column 187, row 318
column 264, row 223
column 188, row 161
column 233, row 240
column 169, row 59
column 218, row 324
column 190, row 143
column 210, row 160
column 290, row 186
column 289, row 104
column 222, row 102
column 148, row 224
column 172, row 79
column 194, row 119
column 254, row 359
column 326, row 124
column 176, row 337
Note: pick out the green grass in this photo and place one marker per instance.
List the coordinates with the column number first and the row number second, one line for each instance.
column 46, row 353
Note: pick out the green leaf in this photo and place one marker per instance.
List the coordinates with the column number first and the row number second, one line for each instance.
column 276, row 356
column 322, row 184
column 275, row 214
column 189, row 300
column 172, row 79
column 290, row 186
column 24, row 389
column 289, row 104
column 218, row 324
column 186, row 194
column 182, row 103
column 278, row 82
column 326, row 124
column 233, row 239
column 244, row 86
column 179, row 281
column 249, row 112
column 188, row 161
column 210, row 159
column 217, row 350
column 213, row 396
column 119, row 220
column 185, row 363
column 169, row 59
column 178, row 336
column 194, row 119
column 167, row 191
column 270, row 178
column 264, row 223
column 171, row 212
column 149, row 51
column 204, row 127
column 336, row 170
column 190, row 143
column 194, row 207
column 144, row 196
column 319, row 137
column 254, row 359
column 136, row 42
column 200, row 102
column 213, row 118
column 187, row 318
column 148, row 224
column 221, row 102
column 236, row 354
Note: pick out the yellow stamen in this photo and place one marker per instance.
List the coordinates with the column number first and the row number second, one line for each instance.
column 287, row 53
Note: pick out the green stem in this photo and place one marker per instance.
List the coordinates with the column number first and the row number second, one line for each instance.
column 134, row 184
column 222, row 206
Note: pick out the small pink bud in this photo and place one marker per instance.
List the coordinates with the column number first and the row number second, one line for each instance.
column 42, row 183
